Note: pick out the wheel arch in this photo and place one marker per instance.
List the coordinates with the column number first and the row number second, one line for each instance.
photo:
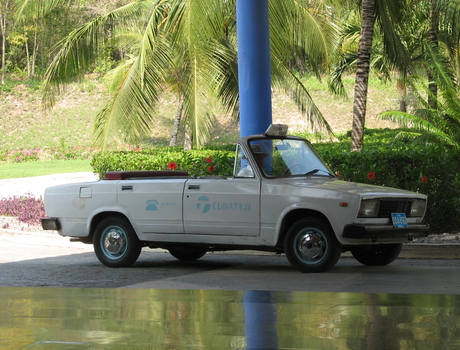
column 292, row 217
column 101, row 216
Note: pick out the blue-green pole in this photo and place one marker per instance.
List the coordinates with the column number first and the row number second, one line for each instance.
column 253, row 66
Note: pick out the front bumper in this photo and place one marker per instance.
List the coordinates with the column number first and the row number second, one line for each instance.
column 51, row 224
column 357, row 231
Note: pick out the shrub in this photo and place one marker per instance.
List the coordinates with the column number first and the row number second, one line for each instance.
column 61, row 153
column 27, row 209
column 432, row 170
column 195, row 162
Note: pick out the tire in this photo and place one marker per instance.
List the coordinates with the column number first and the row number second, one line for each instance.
column 311, row 246
column 187, row 253
column 115, row 242
column 378, row 255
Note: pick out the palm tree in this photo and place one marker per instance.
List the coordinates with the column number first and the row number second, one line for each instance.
column 362, row 74
column 204, row 32
column 387, row 13
column 380, row 19
column 430, row 21
column 443, row 34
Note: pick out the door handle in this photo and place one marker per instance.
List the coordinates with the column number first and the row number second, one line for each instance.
column 126, row 188
column 194, row 187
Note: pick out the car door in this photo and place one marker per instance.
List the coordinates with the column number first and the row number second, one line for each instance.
column 222, row 206
column 155, row 205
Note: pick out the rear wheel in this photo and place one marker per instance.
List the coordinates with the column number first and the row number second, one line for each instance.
column 311, row 246
column 377, row 255
column 115, row 242
column 187, row 253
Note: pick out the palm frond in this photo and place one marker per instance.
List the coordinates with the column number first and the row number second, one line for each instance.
column 417, row 122
column 137, row 86
column 300, row 95
column 36, row 8
column 79, row 49
column 190, row 45
column 227, row 77
column 343, row 64
column 298, row 27
column 439, row 67
column 449, row 27
column 130, row 110
column 389, row 13
column 203, row 56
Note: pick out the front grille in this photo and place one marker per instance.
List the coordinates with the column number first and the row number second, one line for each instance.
column 394, row 206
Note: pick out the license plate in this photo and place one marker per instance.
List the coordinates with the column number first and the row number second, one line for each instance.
column 399, row 219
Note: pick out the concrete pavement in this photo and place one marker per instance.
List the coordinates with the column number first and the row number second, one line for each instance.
column 36, row 185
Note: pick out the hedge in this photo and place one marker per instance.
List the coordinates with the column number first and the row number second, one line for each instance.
column 196, row 162
column 431, row 170
column 434, row 171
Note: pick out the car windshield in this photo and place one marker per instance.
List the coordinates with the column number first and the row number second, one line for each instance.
column 287, row 157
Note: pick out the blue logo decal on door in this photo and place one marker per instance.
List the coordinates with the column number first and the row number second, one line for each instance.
column 152, row 205
column 202, row 204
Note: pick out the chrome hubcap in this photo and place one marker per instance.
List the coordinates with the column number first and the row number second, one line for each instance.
column 114, row 242
column 310, row 246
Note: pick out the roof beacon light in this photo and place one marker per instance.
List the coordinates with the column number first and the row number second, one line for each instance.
column 276, row 130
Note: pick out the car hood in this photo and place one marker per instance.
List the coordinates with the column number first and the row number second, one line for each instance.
column 364, row 190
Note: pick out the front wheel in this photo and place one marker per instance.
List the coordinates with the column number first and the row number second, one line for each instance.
column 377, row 255
column 311, row 246
column 115, row 242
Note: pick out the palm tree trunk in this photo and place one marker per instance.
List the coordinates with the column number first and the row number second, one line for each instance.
column 34, row 50
column 27, row 59
column 3, row 33
column 2, row 24
column 188, row 142
column 433, row 35
column 175, row 130
column 362, row 75
column 411, row 99
column 401, row 87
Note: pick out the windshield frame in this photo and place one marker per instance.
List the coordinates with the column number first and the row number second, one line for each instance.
column 284, row 157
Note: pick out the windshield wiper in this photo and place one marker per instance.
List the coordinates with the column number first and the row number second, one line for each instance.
column 314, row 171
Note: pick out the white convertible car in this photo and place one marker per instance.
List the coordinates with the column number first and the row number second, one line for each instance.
column 282, row 198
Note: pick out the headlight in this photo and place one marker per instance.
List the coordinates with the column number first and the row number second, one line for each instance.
column 369, row 208
column 418, row 208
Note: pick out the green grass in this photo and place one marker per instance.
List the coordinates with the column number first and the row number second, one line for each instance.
column 24, row 124
column 39, row 168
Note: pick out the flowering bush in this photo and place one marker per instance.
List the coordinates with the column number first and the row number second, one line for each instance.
column 371, row 175
column 431, row 170
column 59, row 153
column 195, row 162
column 172, row 166
column 27, row 209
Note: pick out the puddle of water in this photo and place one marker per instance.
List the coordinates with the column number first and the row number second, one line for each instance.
column 75, row 318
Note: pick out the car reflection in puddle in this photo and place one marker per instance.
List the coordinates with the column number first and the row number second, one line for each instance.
column 74, row 318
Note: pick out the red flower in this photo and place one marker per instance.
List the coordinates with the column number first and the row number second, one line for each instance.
column 172, row 165
column 211, row 169
column 371, row 175
column 209, row 160
column 337, row 174
column 424, row 179
column 138, row 149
